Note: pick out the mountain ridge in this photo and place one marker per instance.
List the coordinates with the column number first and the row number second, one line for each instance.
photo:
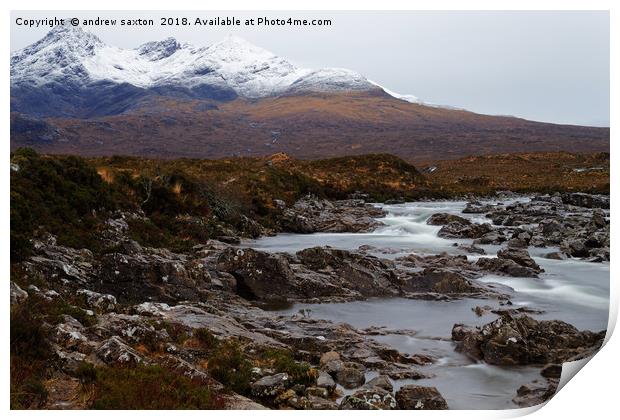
column 224, row 70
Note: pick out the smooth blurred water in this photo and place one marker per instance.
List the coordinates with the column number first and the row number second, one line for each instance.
column 570, row 290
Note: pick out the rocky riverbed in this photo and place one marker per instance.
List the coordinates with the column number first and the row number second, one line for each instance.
column 429, row 305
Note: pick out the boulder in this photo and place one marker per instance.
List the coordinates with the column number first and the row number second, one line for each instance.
column 505, row 267
column 536, row 392
column 413, row 397
column 160, row 274
column 366, row 275
column 372, row 398
column 472, row 249
column 578, row 249
column 351, row 376
column 440, row 219
column 325, row 381
column 114, row 351
column 259, row 275
column 435, row 281
column 520, row 256
column 333, row 367
column 519, row 340
column 381, row 381
column 490, row 238
column 556, row 255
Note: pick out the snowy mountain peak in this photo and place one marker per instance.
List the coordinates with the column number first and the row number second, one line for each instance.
column 156, row 50
column 228, row 68
column 73, row 38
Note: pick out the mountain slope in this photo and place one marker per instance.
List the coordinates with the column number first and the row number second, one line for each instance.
column 309, row 126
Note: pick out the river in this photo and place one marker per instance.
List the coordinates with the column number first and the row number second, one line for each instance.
column 570, row 290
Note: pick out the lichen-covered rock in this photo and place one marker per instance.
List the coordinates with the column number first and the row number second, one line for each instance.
column 318, row 403
column 114, row 351
column 317, row 391
column 372, row 398
column 413, row 397
column 271, row 386
column 98, row 301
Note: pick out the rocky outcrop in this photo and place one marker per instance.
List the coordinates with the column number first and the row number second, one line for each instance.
column 310, row 215
column 165, row 275
column 521, row 340
column 314, row 272
column 258, row 275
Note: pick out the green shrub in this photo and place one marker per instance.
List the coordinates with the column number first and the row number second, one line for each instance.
column 30, row 352
column 230, row 366
column 283, row 361
column 206, row 338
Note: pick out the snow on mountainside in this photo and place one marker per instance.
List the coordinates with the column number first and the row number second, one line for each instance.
column 71, row 56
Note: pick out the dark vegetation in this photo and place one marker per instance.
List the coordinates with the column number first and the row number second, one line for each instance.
column 188, row 201
column 149, row 388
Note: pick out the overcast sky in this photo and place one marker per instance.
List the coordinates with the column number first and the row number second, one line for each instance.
column 544, row 66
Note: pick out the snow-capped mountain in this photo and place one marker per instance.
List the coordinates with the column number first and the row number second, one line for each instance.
column 70, row 56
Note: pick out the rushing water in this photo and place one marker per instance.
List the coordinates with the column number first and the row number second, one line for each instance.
column 570, row 290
